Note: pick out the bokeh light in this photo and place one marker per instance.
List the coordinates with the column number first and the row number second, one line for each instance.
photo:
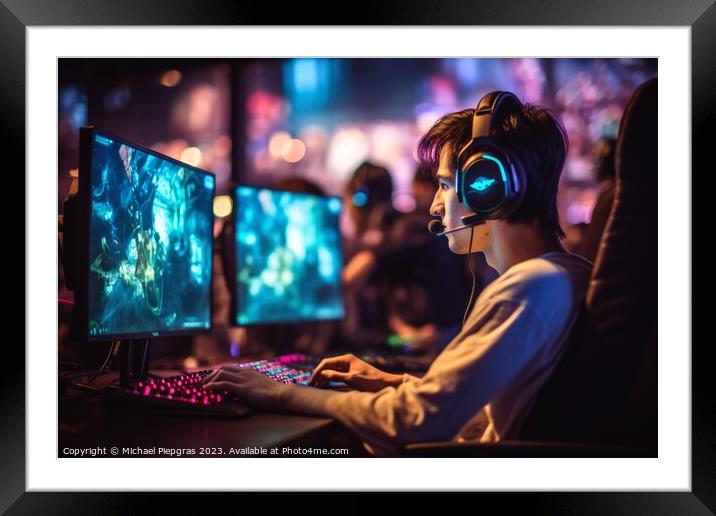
column 191, row 156
column 223, row 206
column 170, row 78
column 293, row 150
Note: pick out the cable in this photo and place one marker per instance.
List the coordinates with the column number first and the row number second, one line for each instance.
column 107, row 361
column 472, row 273
column 112, row 349
column 95, row 373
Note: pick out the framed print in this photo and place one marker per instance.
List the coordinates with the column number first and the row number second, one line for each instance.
column 199, row 118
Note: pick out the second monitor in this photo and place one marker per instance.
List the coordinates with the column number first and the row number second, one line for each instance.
column 288, row 258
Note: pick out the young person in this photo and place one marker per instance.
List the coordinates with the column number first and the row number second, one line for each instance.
column 497, row 169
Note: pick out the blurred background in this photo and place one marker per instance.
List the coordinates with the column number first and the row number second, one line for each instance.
column 256, row 121
column 263, row 121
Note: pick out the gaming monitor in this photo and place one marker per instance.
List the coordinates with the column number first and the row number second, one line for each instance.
column 145, row 236
column 287, row 263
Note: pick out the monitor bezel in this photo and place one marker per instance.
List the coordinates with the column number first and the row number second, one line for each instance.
column 81, row 311
column 230, row 255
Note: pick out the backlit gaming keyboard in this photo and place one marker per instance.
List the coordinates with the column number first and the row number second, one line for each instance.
column 185, row 394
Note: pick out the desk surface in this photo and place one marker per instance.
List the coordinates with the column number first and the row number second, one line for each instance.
column 86, row 423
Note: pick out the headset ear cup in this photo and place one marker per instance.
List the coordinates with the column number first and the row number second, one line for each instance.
column 484, row 186
column 490, row 181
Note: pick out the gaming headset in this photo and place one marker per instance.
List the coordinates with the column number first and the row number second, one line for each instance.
column 490, row 180
column 370, row 185
column 361, row 198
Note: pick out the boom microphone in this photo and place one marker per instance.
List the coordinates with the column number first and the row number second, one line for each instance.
column 436, row 227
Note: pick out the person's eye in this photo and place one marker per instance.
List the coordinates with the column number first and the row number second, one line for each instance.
column 444, row 185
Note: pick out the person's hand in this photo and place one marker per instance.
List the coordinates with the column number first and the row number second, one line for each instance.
column 251, row 386
column 359, row 269
column 353, row 371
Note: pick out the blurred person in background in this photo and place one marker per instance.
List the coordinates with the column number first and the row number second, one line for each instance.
column 368, row 204
column 605, row 172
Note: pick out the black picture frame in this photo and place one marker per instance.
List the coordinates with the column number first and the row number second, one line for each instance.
column 17, row 15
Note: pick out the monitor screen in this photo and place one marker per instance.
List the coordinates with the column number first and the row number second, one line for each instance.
column 288, row 257
column 150, row 242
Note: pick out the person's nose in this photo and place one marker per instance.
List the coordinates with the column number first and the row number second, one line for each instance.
column 437, row 208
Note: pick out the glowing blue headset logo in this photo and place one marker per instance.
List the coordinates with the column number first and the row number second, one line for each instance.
column 360, row 199
column 482, row 184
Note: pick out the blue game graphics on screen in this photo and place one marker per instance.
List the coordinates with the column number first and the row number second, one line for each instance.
column 288, row 257
column 150, row 243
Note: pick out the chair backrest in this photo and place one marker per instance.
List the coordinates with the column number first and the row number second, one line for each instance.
column 604, row 388
column 600, row 217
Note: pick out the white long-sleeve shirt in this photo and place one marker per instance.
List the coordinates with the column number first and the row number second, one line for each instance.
column 481, row 386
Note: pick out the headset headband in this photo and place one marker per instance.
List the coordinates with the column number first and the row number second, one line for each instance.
column 485, row 119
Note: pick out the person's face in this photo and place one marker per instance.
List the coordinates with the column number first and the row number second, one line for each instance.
column 446, row 206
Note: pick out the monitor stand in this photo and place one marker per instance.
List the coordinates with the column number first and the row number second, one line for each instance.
column 135, row 360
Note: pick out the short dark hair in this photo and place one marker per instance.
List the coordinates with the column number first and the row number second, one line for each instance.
column 374, row 180
column 538, row 139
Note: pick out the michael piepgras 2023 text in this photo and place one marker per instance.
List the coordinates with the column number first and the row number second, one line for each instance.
column 247, row 451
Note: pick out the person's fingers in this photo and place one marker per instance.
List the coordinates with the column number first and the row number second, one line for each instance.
column 210, row 376
column 316, row 378
column 339, row 363
column 222, row 375
column 326, row 362
column 327, row 375
column 331, row 375
column 223, row 386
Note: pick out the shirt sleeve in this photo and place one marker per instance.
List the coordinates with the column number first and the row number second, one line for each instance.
column 410, row 378
column 481, row 360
